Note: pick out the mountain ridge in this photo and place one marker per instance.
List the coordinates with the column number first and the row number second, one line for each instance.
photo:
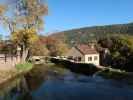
column 82, row 35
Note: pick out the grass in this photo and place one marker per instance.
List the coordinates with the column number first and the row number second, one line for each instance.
column 24, row 66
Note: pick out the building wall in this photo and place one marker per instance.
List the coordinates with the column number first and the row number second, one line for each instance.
column 75, row 53
column 93, row 61
column 84, row 58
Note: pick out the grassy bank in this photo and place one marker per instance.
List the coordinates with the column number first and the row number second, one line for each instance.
column 24, row 67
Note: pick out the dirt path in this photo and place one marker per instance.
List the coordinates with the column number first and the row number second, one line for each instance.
column 9, row 64
column 7, row 69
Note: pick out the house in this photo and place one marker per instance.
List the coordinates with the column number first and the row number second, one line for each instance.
column 84, row 54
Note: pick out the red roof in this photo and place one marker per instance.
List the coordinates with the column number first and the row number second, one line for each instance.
column 85, row 49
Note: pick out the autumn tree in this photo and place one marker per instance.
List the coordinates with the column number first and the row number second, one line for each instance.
column 61, row 47
column 24, row 20
column 24, row 38
column 30, row 13
column 39, row 49
column 5, row 19
column 55, row 46
column 2, row 9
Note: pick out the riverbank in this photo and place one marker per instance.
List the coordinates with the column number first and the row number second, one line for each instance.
column 6, row 75
column 19, row 69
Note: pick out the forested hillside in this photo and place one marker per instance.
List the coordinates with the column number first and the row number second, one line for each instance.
column 83, row 35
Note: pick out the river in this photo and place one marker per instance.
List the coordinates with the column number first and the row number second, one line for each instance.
column 48, row 82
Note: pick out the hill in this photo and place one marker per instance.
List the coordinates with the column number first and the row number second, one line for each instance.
column 83, row 35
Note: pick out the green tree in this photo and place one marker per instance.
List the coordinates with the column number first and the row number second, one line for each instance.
column 121, row 50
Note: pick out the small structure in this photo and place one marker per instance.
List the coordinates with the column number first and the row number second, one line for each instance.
column 84, row 54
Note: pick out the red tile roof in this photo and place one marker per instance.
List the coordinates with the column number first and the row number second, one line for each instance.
column 85, row 49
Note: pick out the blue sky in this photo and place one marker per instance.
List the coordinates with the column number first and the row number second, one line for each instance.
column 69, row 14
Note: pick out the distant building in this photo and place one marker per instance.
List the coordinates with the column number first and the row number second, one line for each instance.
column 84, row 54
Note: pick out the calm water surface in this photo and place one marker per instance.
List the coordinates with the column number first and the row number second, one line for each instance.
column 61, row 84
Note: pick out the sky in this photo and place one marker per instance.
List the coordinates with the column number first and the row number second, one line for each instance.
column 71, row 14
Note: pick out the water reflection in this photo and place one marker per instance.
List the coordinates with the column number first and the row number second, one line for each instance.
column 53, row 83
column 58, row 90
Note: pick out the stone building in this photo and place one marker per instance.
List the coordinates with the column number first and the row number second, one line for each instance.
column 84, row 54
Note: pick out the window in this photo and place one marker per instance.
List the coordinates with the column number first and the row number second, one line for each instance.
column 79, row 58
column 89, row 58
column 70, row 57
column 95, row 58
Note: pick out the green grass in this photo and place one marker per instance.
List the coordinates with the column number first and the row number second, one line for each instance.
column 24, row 67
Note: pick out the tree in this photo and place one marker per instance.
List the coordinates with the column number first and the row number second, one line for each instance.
column 38, row 49
column 55, row 46
column 2, row 9
column 61, row 47
column 1, row 37
column 24, row 21
column 5, row 19
column 29, row 13
column 24, row 38
column 121, row 50
column 29, row 16
column 1, row 46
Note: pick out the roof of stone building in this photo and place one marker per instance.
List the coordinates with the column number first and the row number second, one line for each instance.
column 86, row 49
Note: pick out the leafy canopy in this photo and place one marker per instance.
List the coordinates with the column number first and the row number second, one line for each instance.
column 25, row 37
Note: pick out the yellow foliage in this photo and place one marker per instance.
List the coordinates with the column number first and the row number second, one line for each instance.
column 2, row 9
column 36, row 10
column 62, row 48
column 39, row 49
column 24, row 36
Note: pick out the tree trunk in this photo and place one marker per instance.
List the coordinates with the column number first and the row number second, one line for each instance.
column 24, row 53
